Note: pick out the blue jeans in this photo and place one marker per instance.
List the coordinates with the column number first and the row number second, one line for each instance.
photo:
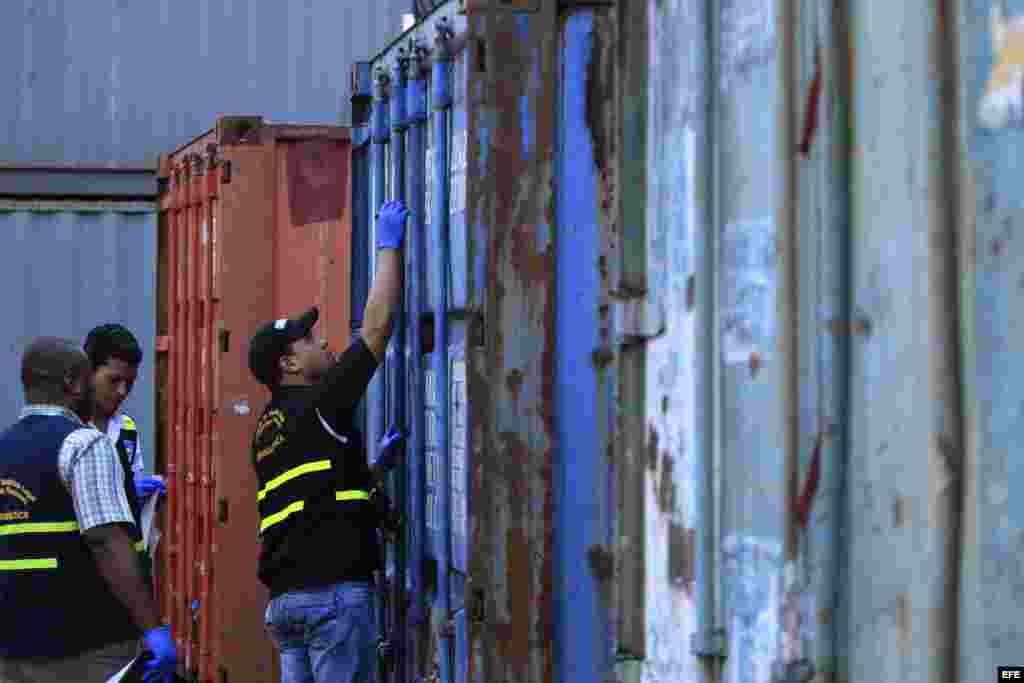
column 326, row 635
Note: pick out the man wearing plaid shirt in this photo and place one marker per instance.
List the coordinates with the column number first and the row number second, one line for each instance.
column 75, row 596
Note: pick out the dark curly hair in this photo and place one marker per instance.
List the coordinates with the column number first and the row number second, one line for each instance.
column 112, row 341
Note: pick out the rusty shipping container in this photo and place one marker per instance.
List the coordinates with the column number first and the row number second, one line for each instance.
column 706, row 355
column 504, row 572
column 255, row 224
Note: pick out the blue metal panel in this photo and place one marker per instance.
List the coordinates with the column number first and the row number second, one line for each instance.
column 458, row 271
column 360, row 247
column 441, row 101
column 581, row 477
column 415, row 247
column 129, row 80
column 381, row 133
column 69, row 266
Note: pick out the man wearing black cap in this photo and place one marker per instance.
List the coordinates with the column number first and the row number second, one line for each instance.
column 318, row 528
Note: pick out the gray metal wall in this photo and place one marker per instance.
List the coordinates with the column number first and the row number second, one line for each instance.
column 68, row 266
column 124, row 81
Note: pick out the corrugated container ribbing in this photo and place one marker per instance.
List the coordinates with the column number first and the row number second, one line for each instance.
column 255, row 225
column 70, row 264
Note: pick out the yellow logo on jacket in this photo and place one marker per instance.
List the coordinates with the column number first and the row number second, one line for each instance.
column 20, row 492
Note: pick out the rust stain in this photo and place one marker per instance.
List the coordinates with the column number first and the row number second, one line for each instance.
column 514, row 637
column 667, row 485
column 825, row 616
column 862, row 326
column 812, row 104
column 804, row 503
column 652, row 449
column 903, row 623
column 898, row 511
column 755, row 364
column 514, row 382
column 682, row 545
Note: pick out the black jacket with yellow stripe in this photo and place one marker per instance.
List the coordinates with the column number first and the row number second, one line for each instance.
column 317, row 526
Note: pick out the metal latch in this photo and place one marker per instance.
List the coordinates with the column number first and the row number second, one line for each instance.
column 710, row 642
column 638, row 319
column 798, row 671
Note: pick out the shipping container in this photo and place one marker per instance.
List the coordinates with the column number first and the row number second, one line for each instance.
column 255, row 224
column 706, row 354
column 75, row 258
column 504, row 570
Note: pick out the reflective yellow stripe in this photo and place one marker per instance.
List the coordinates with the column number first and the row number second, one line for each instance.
column 298, row 505
column 278, row 516
column 128, row 424
column 17, row 565
column 38, row 528
column 317, row 466
column 140, row 546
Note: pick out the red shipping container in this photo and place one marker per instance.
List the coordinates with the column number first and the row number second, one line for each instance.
column 255, row 224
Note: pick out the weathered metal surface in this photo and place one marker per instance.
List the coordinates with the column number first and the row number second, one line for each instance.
column 586, row 207
column 255, row 222
column 677, row 429
column 511, row 208
column 992, row 579
column 815, row 263
column 78, row 181
column 68, row 266
column 904, row 436
column 131, row 81
column 752, row 359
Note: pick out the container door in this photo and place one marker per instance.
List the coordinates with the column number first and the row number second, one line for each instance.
column 189, row 214
column 583, row 387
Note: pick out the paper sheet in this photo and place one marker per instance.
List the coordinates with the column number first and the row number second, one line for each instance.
column 120, row 674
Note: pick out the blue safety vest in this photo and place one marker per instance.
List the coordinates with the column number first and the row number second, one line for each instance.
column 55, row 602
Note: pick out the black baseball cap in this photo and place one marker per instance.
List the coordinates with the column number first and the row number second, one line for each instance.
column 271, row 342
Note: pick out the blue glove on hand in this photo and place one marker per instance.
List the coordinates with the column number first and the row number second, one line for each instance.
column 164, row 663
column 391, row 225
column 148, row 486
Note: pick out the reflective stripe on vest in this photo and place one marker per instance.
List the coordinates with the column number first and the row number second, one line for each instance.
column 34, row 528
column 38, row 528
column 298, row 505
column 21, row 565
column 316, row 466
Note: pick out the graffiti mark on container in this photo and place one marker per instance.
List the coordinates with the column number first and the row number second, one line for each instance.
column 746, row 39
column 748, row 307
column 751, row 578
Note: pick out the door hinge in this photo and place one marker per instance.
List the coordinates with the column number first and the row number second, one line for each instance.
column 638, row 320
column 710, row 642
column 798, row 671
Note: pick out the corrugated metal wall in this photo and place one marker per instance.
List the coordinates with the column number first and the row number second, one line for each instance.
column 123, row 81
column 66, row 267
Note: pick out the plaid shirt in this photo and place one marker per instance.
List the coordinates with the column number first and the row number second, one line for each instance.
column 90, row 469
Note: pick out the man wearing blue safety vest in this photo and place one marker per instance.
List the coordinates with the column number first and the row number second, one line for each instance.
column 75, row 595
column 115, row 355
column 316, row 502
